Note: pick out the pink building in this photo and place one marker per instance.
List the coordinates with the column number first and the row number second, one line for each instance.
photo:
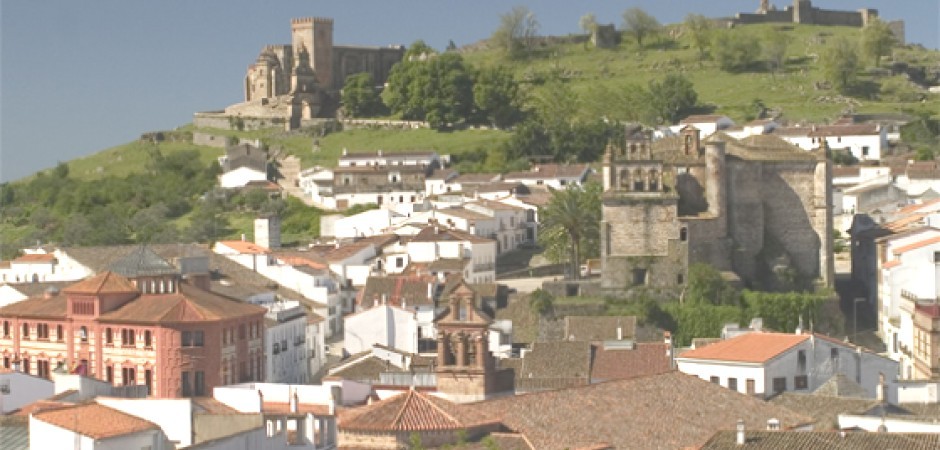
column 150, row 328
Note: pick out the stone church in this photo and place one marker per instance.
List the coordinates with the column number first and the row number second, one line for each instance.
column 757, row 207
column 292, row 83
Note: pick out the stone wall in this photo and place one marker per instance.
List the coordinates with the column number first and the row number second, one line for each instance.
column 789, row 193
column 804, row 12
column 223, row 121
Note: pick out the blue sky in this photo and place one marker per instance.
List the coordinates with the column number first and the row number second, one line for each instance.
column 78, row 77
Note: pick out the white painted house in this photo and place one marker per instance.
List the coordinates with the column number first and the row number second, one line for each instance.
column 94, row 427
column 707, row 124
column 243, row 164
column 555, row 176
column 18, row 389
column 383, row 324
column 765, row 364
column 866, row 142
column 454, row 251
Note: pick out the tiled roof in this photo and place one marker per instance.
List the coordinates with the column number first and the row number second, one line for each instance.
column 40, row 288
column 846, row 171
column 793, row 131
column 209, row 405
column 463, row 213
column 437, row 234
column 904, row 222
column 499, row 440
column 545, row 171
column 235, row 280
column 449, row 264
column 499, row 186
column 830, row 440
column 189, row 304
column 839, row 385
column 916, row 245
column 394, row 154
column 931, row 310
column 751, row 347
column 95, row 421
column 647, row 358
column 14, row 433
column 99, row 258
column 866, row 129
column 599, row 328
column 411, row 411
column 824, row 408
column 495, row 205
column 442, row 174
column 413, row 289
column 103, row 283
column 367, row 369
column 245, row 247
column 309, row 259
column 666, row 411
column 536, row 198
column 54, row 308
column 302, row 408
column 558, row 360
column 476, row 178
column 142, row 261
column 35, row 258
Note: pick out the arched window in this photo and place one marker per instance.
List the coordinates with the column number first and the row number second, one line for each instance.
column 83, row 333
column 638, row 184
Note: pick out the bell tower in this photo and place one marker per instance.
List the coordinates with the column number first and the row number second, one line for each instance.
column 465, row 368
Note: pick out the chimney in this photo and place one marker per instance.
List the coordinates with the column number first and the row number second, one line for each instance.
column 619, row 333
column 260, row 401
column 292, row 403
column 773, row 424
column 336, row 398
column 739, row 436
column 243, row 237
column 880, row 393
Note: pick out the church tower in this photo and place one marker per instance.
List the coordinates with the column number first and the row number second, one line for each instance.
column 465, row 368
column 315, row 34
column 642, row 240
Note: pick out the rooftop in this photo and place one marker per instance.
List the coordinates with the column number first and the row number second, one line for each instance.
column 833, row 440
column 543, row 171
column 95, row 421
column 411, row 411
column 751, row 348
column 245, row 247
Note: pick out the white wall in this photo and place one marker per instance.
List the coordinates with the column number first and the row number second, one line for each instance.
column 24, row 389
column 893, row 425
column 240, row 177
column 919, row 392
column 386, row 325
column 43, row 436
column 173, row 416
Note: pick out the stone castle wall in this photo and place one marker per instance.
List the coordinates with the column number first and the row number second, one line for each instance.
column 804, row 12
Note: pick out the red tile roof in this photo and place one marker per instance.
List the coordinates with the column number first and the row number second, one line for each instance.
column 103, row 283
column 190, row 304
column 438, row 233
column 917, row 245
column 245, row 247
column 846, row 130
column 411, row 411
column 647, row 358
column 891, row 264
column 95, row 421
column 302, row 408
column 35, row 258
column 751, row 347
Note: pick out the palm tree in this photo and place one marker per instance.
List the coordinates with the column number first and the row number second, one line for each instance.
column 571, row 219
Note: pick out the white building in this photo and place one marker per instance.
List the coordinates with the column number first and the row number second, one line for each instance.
column 94, row 427
column 555, row 176
column 452, row 251
column 382, row 158
column 18, row 389
column 708, row 124
column 384, row 324
column 243, row 164
column 289, row 345
column 866, row 142
column 764, row 364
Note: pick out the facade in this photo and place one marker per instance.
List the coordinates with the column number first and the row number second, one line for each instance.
column 737, row 205
column 555, row 176
column 451, row 251
column 926, row 348
column 386, row 325
column 18, row 389
column 765, row 364
column 287, row 339
column 155, row 330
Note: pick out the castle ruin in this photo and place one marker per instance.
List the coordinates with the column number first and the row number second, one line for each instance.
column 757, row 207
column 292, row 84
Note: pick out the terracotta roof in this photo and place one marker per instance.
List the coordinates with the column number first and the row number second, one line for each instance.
column 189, row 304
column 302, row 408
column 449, row 264
column 916, row 245
column 367, row 369
column 915, row 207
column 544, row 171
column 665, row 411
column 345, row 251
column 54, row 308
column 823, row 407
column 537, row 198
column 833, row 440
column 904, row 222
column 433, row 233
column 846, row 171
column 751, row 347
column 413, row 289
column 647, row 358
column 35, row 258
column 411, row 411
column 245, row 247
column 599, row 328
column 846, row 130
column 891, row 264
column 931, row 310
column 463, row 213
column 555, row 365
column 235, row 280
column 500, row 186
column 295, row 258
column 792, row 131
column 103, row 283
column 95, row 421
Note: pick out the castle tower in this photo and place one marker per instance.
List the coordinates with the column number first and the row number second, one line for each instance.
column 316, row 35
column 264, row 77
column 822, row 217
column 715, row 186
column 641, row 241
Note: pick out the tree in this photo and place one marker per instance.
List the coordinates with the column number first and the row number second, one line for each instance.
column 639, row 24
column 735, row 50
column 775, row 44
column 437, row 89
column 360, row 98
column 587, row 23
column 877, row 40
column 570, row 224
column 840, row 64
column 515, row 32
column 672, row 98
column 497, row 96
column 699, row 29
column 707, row 286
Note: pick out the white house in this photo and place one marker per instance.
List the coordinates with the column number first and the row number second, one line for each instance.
column 289, row 343
column 511, row 227
column 866, row 142
column 556, row 176
column 909, row 272
column 94, row 427
column 765, row 364
column 472, row 256
column 871, row 194
column 367, row 223
column 438, row 182
column 18, row 389
column 383, row 158
column 243, row 164
column 317, row 183
column 708, row 124
column 383, row 324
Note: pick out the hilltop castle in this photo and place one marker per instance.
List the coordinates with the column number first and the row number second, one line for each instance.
column 289, row 84
column 755, row 206
column 804, row 12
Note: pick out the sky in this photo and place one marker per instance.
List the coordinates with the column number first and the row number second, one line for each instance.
column 79, row 77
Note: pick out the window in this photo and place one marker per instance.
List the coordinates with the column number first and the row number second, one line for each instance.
column 715, row 380
column 26, row 366
column 683, row 234
column 241, row 331
column 185, row 388
column 42, row 331
column 834, row 359
column 865, row 150
column 399, row 262
column 127, row 337
column 148, row 381
column 42, row 368
column 109, row 374
column 733, row 384
column 148, row 339
column 749, row 386
column 800, row 382
column 801, row 361
column 25, row 330
column 780, row 385
column 639, row 277
column 193, row 339
column 276, row 349
column 108, row 336
column 6, row 328
column 200, row 384
column 283, row 344
column 936, row 257
column 59, row 335
column 129, row 376
column 680, row 278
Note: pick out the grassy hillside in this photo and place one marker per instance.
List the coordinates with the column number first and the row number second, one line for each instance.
column 792, row 92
